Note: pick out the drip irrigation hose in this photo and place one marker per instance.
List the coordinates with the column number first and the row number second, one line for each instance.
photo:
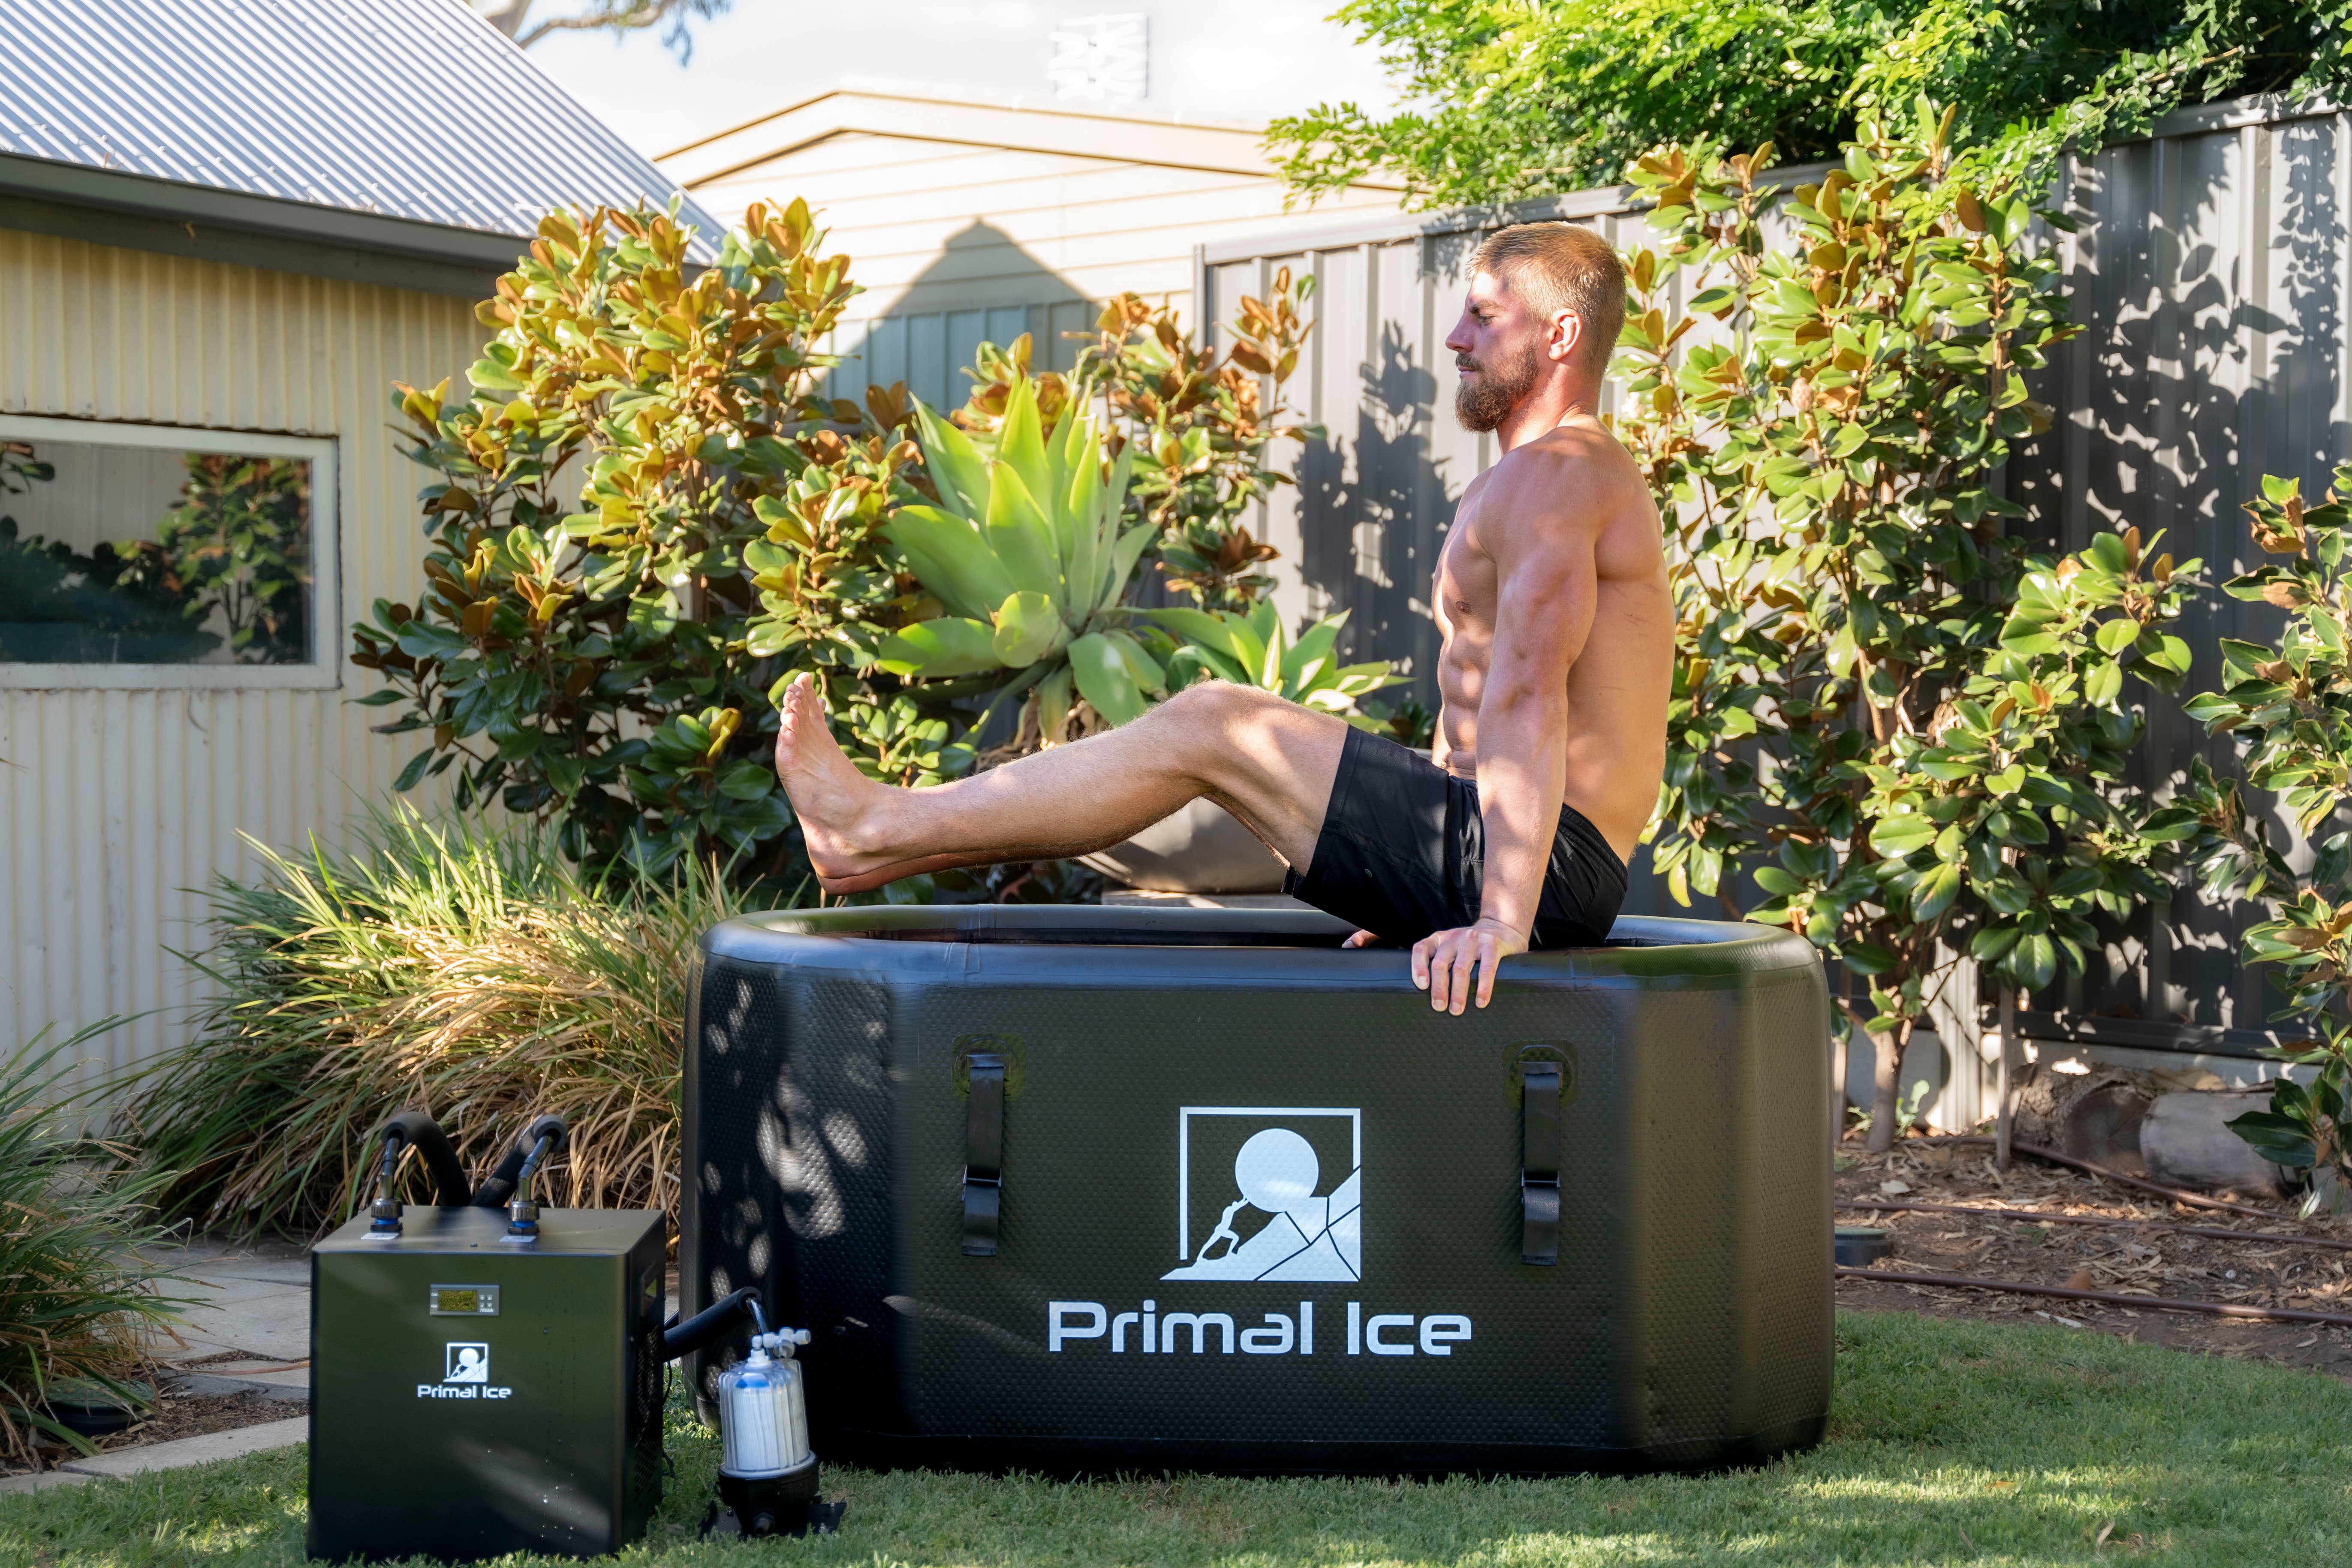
column 2105, row 1298
column 2194, row 1200
column 2211, row 1230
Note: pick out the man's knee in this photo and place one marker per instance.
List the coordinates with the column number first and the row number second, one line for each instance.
column 1221, row 734
column 1218, row 705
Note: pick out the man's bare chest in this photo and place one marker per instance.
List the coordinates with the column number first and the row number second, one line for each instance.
column 1466, row 582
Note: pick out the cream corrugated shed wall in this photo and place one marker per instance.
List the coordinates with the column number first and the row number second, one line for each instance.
column 116, row 807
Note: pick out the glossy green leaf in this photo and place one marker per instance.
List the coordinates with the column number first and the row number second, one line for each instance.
column 1054, row 702
column 949, row 645
column 1020, row 537
column 747, row 781
column 1141, row 667
column 957, row 467
column 1102, row 678
column 952, row 558
column 1020, row 444
column 1028, row 627
column 1939, row 886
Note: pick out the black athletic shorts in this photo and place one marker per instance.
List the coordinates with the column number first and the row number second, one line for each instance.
column 1403, row 852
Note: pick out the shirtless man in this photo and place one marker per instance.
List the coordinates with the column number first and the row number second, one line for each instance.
column 1516, row 830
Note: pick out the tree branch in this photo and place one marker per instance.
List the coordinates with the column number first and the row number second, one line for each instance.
column 621, row 16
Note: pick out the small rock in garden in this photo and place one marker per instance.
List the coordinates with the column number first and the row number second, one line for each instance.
column 2186, row 1142
column 2082, row 1280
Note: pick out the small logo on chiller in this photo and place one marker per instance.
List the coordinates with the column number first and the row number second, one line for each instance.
column 466, row 1362
column 1295, row 1232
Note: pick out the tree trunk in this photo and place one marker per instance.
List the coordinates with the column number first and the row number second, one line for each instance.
column 2007, row 1115
column 1885, row 1085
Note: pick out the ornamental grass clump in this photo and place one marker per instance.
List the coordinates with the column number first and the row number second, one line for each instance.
column 77, row 1300
column 473, row 973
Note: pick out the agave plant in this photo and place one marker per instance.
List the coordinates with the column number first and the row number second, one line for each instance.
column 1025, row 553
column 1252, row 649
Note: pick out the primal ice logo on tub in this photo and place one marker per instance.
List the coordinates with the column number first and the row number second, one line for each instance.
column 465, row 1374
column 1285, row 1186
column 1297, row 1233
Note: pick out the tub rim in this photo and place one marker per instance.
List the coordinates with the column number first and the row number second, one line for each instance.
column 1007, row 938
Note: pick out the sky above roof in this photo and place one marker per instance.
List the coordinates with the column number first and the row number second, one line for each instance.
column 1227, row 60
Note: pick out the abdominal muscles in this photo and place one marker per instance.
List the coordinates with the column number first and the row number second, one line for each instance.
column 1617, row 693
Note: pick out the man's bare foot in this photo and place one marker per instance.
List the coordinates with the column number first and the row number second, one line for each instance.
column 839, row 808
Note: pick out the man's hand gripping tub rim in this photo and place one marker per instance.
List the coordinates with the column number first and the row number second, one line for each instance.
column 1443, row 961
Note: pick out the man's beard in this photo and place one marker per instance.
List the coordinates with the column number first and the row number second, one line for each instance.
column 1486, row 399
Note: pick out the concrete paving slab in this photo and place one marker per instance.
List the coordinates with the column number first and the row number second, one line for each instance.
column 201, row 1450
column 274, row 1327
column 273, row 1259
column 210, row 1289
column 292, row 1383
column 42, row 1480
column 218, row 1259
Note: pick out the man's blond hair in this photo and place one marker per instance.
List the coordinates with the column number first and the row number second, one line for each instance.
column 1554, row 267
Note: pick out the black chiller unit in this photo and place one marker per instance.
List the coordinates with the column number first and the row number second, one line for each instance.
column 487, row 1376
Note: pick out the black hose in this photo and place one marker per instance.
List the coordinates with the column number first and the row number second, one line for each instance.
column 2220, row 1233
column 421, row 1132
column 2105, row 1297
column 711, row 1324
column 499, row 1184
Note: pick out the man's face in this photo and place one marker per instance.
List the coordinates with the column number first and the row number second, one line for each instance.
column 1501, row 350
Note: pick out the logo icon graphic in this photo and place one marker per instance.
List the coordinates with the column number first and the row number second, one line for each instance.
column 1291, row 1230
column 466, row 1362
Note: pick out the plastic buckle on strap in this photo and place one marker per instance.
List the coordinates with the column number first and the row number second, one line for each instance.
column 1539, row 1165
column 983, row 1155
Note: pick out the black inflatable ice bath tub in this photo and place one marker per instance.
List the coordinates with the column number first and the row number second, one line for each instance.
column 1097, row 1189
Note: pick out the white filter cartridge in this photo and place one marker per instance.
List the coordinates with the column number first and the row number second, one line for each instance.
column 764, row 1411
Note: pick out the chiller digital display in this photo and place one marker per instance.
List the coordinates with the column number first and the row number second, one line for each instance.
column 463, row 1301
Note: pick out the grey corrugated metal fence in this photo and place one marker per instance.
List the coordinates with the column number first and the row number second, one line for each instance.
column 931, row 350
column 2213, row 274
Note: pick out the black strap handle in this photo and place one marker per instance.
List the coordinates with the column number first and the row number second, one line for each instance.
column 1540, row 1164
column 983, row 1155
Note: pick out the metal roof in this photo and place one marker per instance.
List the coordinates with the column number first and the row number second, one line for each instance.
column 407, row 127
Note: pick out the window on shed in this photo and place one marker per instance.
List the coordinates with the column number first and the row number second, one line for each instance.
column 132, row 545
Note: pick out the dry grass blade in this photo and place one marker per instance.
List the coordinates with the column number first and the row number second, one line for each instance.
column 466, row 971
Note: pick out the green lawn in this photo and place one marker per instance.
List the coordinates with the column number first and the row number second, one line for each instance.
column 1952, row 1441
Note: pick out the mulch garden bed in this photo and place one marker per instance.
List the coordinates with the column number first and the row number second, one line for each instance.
column 2268, row 1268
column 175, row 1416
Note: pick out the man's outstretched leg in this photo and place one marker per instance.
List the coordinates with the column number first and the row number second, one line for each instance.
column 1269, row 761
